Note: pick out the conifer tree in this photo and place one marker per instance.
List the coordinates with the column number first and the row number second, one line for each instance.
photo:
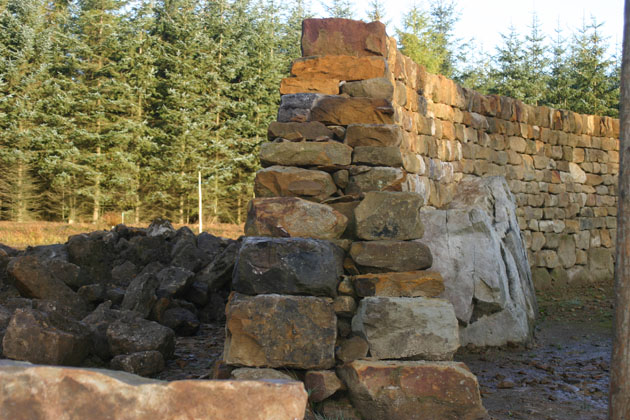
column 535, row 65
column 338, row 9
column 376, row 11
column 509, row 74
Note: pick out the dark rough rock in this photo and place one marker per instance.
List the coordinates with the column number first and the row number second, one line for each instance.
column 321, row 384
column 351, row 349
column 98, row 321
column 94, row 254
column 161, row 228
column 46, row 338
column 280, row 331
column 173, row 282
column 383, row 256
column 144, row 363
column 212, row 245
column 294, row 266
column 197, row 293
column 65, row 271
column 140, row 295
column 32, row 277
column 219, row 272
column 47, row 252
column 298, row 130
column 180, row 320
column 214, row 311
column 93, row 293
column 146, row 249
column 134, row 335
column 124, row 273
column 296, row 107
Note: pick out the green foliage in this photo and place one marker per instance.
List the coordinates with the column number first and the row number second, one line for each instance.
column 338, row 9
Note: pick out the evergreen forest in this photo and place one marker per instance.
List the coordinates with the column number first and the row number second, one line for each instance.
column 117, row 106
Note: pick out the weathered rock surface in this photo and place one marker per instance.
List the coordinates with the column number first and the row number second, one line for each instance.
column 173, row 281
column 305, row 153
column 257, row 374
column 380, row 135
column 291, row 216
column 298, row 130
column 339, row 67
column 343, row 37
column 377, row 178
column 389, row 156
column 93, row 253
column 389, row 215
column 290, row 266
column 379, row 88
column 352, row 348
column 46, row 338
column 297, row 107
column 341, row 110
column 291, row 85
column 413, row 390
column 34, row 279
column 180, row 320
column 321, row 384
column 280, row 331
column 141, row 294
column 127, row 336
column 407, row 284
column 283, row 181
column 45, row 392
column 384, row 256
column 144, row 363
column 478, row 249
column 219, row 272
column 407, row 328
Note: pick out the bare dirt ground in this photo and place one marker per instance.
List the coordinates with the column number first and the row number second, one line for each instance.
column 564, row 374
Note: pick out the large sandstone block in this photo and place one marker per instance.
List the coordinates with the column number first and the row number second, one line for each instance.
column 373, row 135
column 343, row 37
column 291, row 266
column 407, row 284
column 45, row 393
column 384, row 256
column 46, row 338
column 33, row 277
column 298, row 130
column 378, row 156
column 280, row 331
column 341, row 110
column 377, row 178
column 389, row 215
column 287, row 181
column 291, row 85
column 339, row 67
column 407, row 328
column 290, row 216
column 305, row 154
column 379, row 88
column 413, row 390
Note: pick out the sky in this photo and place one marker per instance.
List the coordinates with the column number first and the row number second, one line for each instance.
column 484, row 20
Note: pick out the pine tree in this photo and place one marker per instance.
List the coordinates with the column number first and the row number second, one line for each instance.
column 535, row 65
column 509, row 75
column 376, row 11
column 417, row 41
column 338, row 9
column 442, row 19
column 559, row 86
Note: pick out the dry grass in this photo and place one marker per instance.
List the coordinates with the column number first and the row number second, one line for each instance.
column 21, row 235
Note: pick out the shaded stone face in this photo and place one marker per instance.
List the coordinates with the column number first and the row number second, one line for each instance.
column 294, row 266
column 293, row 217
column 136, row 334
column 378, row 178
column 373, row 135
column 407, row 328
column 384, row 256
column 298, row 130
column 407, row 284
column 283, row 181
column 42, row 392
column 389, row 215
column 47, row 338
column 280, row 331
column 305, row 154
column 343, row 37
column 413, row 390
column 343, row 110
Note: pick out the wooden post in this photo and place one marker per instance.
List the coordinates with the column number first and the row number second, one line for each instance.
column 200, row 204
column 619, row 403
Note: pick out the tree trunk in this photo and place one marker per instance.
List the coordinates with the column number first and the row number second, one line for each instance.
column 619, row 408
column 20, row 205
column 97, row 190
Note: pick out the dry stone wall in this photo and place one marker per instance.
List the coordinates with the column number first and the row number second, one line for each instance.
column 561, row 166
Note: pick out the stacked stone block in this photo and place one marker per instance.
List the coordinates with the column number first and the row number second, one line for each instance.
column 332, row 282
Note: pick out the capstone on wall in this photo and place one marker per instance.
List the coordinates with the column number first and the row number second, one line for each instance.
column 561, row 166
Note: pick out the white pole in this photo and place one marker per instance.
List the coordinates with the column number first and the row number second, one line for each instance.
column 200, row 205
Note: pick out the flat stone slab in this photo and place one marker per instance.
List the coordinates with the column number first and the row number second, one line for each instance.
column 290, row 266
column 293, row 217
column 413, row 390
column 287, row 181
column 29, row 392
column 384, row 256
column 343, row 37
column 407, row 284
column 380, row 135
column 339, row 67
column 407, row 328
column 305, row 153
column 280, row 331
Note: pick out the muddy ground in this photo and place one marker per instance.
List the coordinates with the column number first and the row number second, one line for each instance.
column 564, row 374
